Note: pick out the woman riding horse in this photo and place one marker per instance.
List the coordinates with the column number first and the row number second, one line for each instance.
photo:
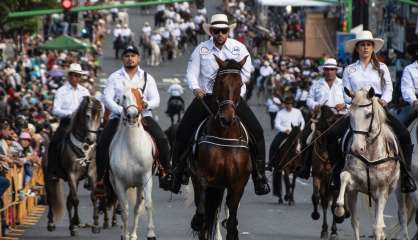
column 364, row 48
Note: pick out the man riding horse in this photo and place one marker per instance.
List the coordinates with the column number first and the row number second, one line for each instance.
column 131, row 75
column 367, row 71
column 326, row 91
column 201, row 73
column 409, row 87
column 66, row 101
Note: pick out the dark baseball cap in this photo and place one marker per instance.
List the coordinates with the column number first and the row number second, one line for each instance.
column 130, row 48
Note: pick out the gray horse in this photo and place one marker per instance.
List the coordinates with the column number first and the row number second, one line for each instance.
column 76, row 158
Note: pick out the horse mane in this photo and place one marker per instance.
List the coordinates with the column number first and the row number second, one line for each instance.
column 81, row 110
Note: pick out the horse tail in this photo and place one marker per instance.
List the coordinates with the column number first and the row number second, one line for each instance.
column 55, row 196
column 214, row 197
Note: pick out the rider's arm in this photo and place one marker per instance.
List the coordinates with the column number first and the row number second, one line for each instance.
column 277, row 123
column 193, row 69
column 347, row 84
column 152, row 97
column 109, row 96
column 310, row 100
column 301, row 120
column 57, row 109
column 387, row 89
column 407, row 86
column 248, row 68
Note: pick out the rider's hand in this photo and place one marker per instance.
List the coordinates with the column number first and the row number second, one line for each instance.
column 416, row 104
column 382, row 102
column 340, row 106
column 199, row 92
column 287, row 131
column 317, row 108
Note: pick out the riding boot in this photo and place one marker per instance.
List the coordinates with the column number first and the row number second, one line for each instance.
column 338, row 163
column 407, row 182
column 261, row 186
column 305, row 170
column 179, row 164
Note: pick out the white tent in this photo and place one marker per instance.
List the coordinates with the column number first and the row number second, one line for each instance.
column 297, row 3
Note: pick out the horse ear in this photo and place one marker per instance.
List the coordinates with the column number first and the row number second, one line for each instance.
column 219, row 61
column 348, row 92
column 370, row 93
column 243, row 61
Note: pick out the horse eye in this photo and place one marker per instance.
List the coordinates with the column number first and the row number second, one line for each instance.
column 369, row 115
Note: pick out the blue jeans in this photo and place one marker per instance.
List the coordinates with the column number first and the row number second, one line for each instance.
column 4, row 184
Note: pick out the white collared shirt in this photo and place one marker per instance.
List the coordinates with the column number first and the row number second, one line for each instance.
column 202, row 67
column 117, row 32
column 301, row 95
column 175, row 90
column 126, row 32
column 115, row 87
column 409, row 82
column 266, row 71
column 67, row 99
column 285, row 119
column 146, row 30
column 356, row 76
column 321, row 94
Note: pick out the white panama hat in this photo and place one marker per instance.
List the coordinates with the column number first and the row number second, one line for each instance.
column 364, row 36
column 76, row 68
column 329, row 63
column 218, row 21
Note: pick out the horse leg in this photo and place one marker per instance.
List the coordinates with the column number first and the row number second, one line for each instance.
column 149, row 207
column 72, row 201
column 123, row 201
column 106, row 219
column 292, row 190
column 232, row 200
column 198, row 219
column 352, row 202
column 137, row 209
column 287, row 186
column 324, row 205
column 92, row 178
column 402, row 199
column 345, row 180
column 114, row 219
column 379, row 228
column 279, row 186
column 315, row 198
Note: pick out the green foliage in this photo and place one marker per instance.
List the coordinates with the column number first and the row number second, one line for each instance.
column 10, row 26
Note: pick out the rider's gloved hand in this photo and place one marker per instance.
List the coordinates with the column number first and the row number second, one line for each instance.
column 199, row 92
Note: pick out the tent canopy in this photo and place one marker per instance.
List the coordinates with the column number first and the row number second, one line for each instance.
column 65, row 42
column 296, row 3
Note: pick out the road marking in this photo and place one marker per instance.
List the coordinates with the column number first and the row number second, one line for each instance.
column 302, row 182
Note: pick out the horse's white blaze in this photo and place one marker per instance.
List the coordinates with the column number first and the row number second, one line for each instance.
column 379, row 144
column 131, row 159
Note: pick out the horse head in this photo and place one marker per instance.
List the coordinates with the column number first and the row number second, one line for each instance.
column 87, row 120
column 366, row 119
column 325, row 117
column 227, row 89
column 133, row 105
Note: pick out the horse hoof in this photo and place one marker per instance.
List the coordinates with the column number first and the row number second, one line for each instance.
column 51, row 227
column 114, row 223
column 280, row 201
column 334, row 236
column 151, row 238
column 324, row 235
column 106, row 225
column 347, row 214
column 95, row 229
column 197, row 222
column 286, row 198
column 339, row 211
column 73, row 233
column 339, row 220
column 315, row 215
column 291, row 203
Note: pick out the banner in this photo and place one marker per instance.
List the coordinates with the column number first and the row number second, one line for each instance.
column 342, row 37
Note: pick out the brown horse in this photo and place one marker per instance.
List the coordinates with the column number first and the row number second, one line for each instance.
column 321, row 170
column 222, row 158
column 286, row 164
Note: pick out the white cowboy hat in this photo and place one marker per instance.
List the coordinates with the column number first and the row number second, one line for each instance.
column 76, row 68
column 329, row 63
column 364, row 36
column 218, row 21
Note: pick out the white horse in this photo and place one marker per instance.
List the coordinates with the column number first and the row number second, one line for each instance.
column 155, row 54
column 408, row 202
column 371, row 164
column 131, row 158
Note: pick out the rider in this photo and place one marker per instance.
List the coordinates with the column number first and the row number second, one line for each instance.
column 146, row 30
column 327, row 91
column 131, row 75
column 175, row 91
column 367, row 71
column 285, row 119
column 200, row 76
column 126, row 33
column 67, row 99
column 409, row 86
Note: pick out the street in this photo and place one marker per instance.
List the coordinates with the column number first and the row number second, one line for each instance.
column 260, row 217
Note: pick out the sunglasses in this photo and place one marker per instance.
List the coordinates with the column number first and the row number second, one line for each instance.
column 216, row 31
column 329, row 69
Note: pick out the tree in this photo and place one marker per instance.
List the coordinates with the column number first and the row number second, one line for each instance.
column 10, row 26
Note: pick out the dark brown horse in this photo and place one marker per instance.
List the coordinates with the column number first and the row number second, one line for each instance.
column 321, row 169
column 222, row 158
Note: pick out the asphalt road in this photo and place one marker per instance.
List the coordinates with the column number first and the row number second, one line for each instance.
column 260, row 218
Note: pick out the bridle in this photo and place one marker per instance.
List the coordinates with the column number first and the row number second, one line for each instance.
column 135, row 92
column 366, row 133
column 227, row 102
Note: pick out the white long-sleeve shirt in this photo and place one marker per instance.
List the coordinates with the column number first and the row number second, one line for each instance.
column 119, row 80
column 266, row 71
column 202, row 67
column 67, row 99
column 285, row 119
column 356, row 76
column 321, row 94
column 409, row 82
column 175, row 90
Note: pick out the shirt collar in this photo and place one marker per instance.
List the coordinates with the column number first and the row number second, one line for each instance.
column 360, row 65
column 126, row 75
column 227, row 44
column 69, row 86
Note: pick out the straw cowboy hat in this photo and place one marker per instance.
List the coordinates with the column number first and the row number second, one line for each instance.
column 218, row 21
column 76, row 68
column 329, row 63
column 364, row 36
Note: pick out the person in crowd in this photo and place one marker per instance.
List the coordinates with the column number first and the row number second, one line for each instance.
column 273, row 106
column 409, row 87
